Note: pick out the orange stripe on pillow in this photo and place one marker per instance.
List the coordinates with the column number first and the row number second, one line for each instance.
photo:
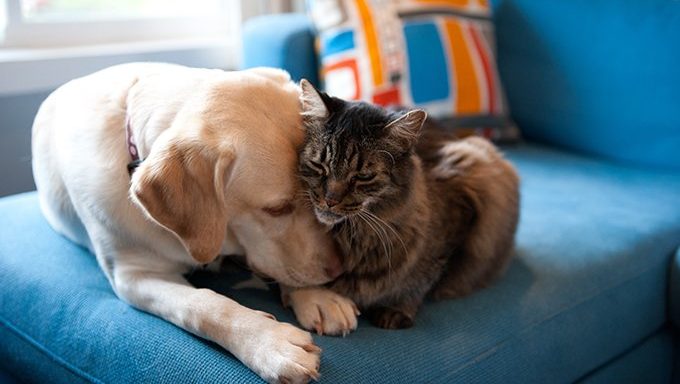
column 371, row 37
column 457, row 3
column 467, row 87
column 484, row 55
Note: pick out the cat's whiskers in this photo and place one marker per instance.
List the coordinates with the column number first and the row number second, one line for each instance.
column 306, row 198
column 372, row 218
column 390, row 227
column 352, row 229
column 382, row 237
column 378, row 233
column 388, row 239
column 305, row 195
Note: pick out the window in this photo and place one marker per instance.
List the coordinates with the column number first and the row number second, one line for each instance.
column 3, row 18
column 49, row 23
column 65, row 10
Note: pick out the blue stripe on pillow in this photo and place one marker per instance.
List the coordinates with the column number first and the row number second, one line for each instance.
column 333, row 43
column 426, row 61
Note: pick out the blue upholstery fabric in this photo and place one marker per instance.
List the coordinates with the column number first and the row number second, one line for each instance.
column 597, row 76
column 649, row 362
column 281, row 42
column 6, row 378
column 674, row 293
column 589, row 282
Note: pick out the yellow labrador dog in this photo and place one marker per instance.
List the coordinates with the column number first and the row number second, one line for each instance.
column 217, row 177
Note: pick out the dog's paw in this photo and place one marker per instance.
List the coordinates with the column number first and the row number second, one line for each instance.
column 278, row 352
column 324, row 311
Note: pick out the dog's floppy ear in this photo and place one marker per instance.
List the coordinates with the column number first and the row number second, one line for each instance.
column 181, row 186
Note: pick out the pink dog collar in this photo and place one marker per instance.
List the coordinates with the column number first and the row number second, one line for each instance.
column 132, row 148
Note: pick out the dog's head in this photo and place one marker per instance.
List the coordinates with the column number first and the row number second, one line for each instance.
column 225, row 172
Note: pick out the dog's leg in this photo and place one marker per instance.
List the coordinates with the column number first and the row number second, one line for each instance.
column 322, row 310
column 278, row 352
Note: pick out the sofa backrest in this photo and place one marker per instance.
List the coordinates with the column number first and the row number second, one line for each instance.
column 598, row 76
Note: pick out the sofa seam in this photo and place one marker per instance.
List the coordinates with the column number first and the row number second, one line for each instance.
column 46, row 351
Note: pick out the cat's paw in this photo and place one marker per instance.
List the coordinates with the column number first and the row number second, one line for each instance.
column 391, row 318
column 323, row 311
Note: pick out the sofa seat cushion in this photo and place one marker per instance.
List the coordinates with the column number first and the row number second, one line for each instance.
column 589, row 282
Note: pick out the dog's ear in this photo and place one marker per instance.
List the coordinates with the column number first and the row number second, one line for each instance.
column 181, row 186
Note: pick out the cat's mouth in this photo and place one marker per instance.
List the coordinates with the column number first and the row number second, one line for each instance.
column 328, row 217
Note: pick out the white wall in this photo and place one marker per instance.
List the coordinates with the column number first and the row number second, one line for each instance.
column 25, row 84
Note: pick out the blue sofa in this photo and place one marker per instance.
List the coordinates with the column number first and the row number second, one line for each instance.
column 592, row 296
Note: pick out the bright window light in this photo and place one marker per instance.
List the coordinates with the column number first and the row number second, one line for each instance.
column 78, row 10
column 61, row 23
column 3, row 16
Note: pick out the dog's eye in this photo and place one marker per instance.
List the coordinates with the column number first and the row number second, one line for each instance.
column 284, row 209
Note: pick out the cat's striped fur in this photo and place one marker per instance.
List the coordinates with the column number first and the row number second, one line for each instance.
column 414, row 211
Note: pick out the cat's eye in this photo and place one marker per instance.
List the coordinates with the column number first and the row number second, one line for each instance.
column 318, row 167
column 364, row 176
column 280, row 210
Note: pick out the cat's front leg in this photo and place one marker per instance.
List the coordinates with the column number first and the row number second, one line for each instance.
column 321, row 310
column 398, row 316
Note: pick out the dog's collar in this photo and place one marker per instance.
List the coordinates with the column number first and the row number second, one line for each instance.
column 132, row 148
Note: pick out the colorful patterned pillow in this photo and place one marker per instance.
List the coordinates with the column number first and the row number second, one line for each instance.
column 436, row 55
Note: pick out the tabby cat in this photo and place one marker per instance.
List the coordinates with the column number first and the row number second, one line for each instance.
column 414, row 211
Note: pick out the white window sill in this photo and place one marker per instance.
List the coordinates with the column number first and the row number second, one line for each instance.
column 42, row 69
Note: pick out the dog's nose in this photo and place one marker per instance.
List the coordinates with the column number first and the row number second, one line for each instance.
column 333, row 272
column 334, row 267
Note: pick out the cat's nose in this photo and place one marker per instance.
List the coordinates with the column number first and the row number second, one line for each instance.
column 335, row 192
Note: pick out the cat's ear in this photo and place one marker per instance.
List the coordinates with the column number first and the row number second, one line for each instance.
column 406, row 129
column 314, row 103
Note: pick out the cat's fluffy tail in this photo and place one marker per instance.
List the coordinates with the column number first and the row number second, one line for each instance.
column 491, row 185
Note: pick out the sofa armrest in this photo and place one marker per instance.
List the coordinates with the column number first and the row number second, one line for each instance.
column 283, row 41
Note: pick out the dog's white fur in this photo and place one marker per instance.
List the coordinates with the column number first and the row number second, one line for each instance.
column 218, row 177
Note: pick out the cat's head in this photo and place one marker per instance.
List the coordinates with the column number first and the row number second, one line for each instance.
column 357, row 157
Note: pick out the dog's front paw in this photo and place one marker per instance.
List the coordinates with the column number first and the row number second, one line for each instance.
column 324, row 311
column 278, row 352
